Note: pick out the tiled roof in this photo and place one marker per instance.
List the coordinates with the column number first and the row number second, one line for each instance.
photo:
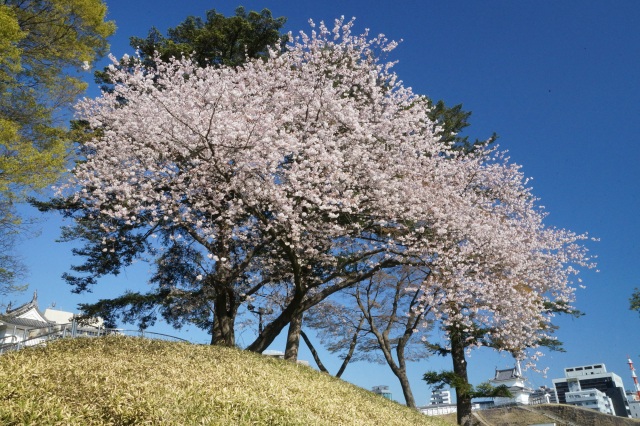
column 24, row 322
column 511, row 373
column 11, row 314
column 22, row 308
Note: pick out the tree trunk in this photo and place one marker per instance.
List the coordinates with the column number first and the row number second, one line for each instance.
column 352, row 348
column 401, row 373
column 462, row 383
column 273, row 329
column 293, row 338
column 228, row 336
column 314, row 352
column 400, row 368
column 406, row 388
column 215, row 332
column 225, row 309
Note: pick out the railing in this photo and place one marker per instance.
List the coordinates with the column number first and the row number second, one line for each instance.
column 40, row 336
column 148, row 335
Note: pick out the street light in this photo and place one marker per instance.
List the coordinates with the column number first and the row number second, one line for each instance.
column 260, row 311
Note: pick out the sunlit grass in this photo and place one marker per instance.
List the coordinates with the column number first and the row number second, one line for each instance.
column 124, row 380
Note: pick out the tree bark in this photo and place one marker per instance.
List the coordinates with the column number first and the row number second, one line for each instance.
column 463, row 397
column 406, row 388
column 352, row 348
column 225, row 309
column 215, row 333
column 293, row 338
column 314, row 352
column 273, row 329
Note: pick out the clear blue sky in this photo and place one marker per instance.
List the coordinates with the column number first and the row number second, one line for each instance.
column 557, row 80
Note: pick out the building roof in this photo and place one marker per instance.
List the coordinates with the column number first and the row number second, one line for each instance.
column 28, row 309
column 508, row 374
column 24, row 322
column 22, row 309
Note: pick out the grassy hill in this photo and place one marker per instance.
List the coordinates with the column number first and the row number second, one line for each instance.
column 124, row 380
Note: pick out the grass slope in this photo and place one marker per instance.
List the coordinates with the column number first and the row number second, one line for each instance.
column 126, row 381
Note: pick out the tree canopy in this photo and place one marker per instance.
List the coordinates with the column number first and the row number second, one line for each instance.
column 43, row 46
column 216, row 40
column 308, row 173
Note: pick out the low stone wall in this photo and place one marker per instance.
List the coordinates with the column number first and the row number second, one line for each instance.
column 512, row 416
column 584, row 416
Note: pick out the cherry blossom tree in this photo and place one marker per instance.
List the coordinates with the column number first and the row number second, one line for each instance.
column 505, row 273
column 302, row 176
column 400, row 152
column 225, row 165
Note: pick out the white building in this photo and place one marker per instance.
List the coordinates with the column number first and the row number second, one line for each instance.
column 440, row 396
column 513, row 379
column 634, row 403
column 27, row 325
column 589, row 377
column 634, row 408
column 439, row 404
column 24, row 324
column 438, row 409
column 590, row 398
column 543, row 395
column 383, row 391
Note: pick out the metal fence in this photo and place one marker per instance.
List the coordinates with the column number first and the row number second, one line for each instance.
column 42, row 335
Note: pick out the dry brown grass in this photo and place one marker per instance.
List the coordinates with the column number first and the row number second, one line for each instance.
column 127, row 381
column 449, row 419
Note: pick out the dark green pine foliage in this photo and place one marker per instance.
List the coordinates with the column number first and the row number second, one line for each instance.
column 217, row 40
column 452, row 122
